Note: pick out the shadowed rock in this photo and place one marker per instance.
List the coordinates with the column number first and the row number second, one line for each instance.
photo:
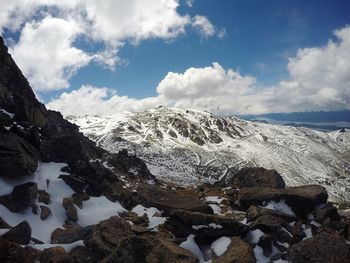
column 20, row 234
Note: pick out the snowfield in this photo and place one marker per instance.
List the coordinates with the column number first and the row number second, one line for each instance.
column 190, row 147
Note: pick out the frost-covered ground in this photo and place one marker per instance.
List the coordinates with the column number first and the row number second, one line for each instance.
column 190, row 147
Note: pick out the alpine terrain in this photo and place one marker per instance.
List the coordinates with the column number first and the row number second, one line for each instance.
column 189, row 147
column 166, row 186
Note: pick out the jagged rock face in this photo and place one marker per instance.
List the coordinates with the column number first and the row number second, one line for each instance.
column 16, row 96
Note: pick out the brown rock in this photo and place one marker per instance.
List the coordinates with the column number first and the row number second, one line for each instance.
column 168, row 200
column 71, row 211
column 13, row 252
column 323, row 248
column 139, row 230
column 55, row 255
column 133, row 217
column 45, row 212
column 19, row 234
column 78, row 199
column 237, row 252
column 70, row 234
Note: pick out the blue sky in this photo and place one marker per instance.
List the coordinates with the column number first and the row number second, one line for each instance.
column 260, row 39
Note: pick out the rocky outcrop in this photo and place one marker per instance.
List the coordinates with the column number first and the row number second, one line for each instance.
column 206, row 227
column 302, row 199
column 56, row 255
column 168, row 200
column 256, row 177
column 13, row 252
column 325, row 247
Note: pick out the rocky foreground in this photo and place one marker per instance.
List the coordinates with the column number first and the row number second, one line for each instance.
column 63, row 199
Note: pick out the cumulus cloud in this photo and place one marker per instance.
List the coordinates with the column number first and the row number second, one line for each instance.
column 49, row 28
column 319, row 80
column 45, row 53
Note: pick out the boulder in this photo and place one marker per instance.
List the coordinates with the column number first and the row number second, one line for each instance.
column 134, row 218
column 302, row 199
column 13, row 252
column 267, row 220
column 76, row 183
column 70, row 234
column 55, row 255
column 323, row 248
column 18, row 158
column 22, row 197
column 238, row 251
column 71, row 211
column 20, row 234
column 168, row 200
column 107, row 236
column 4, row 224
column 165, row 251
column 78, row 199
column 206, row 227
column 256, row 177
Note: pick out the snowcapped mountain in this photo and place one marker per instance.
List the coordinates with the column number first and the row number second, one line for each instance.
column 190, row 147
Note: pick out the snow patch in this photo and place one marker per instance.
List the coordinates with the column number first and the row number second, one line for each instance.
column 220, row 245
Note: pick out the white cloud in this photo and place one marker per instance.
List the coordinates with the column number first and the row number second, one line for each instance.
column 46, row 55
column 49, row 29
column 89, row 100
column 319, row 80
column 189, row 3
column 203, row 26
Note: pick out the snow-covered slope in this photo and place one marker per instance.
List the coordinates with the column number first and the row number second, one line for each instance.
column 190, row 147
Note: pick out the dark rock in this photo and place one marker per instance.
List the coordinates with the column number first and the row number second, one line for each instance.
column 45, row 212
column 3, row 224
column 168, row 200
column 78, row 199
column 44, row 197
column 267, row 220
column 210, row 227
column 12, row 252
column 71, row 211
column 325, row 247
column 139, row 230
column 165, row 251
column 18, row 158
column 19, row 234
column 134, row 218
column 237, row 252
column 55, row 255
column 22, row 197
column 256, row 177
column 302, row 199
column 326, row 211
column 265, row 242
column 76, row 183
column 70, row 234
column 106, row 237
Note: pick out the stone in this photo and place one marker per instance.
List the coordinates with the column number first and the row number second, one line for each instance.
column 256, row 177
column 302, row 199
column 71, row 211
column 165, row 251
column 206, row 227
column 22, row 197
column 76, row 183
column 18, row 158
column 326, row 211
column 13, row 252
column 45, row 212
column 322, row 248
column 44, row 197
column 70, row 234
column 78, row 199
column 168, row 200
column 55, row 255
column 106, row 237
column 238, row 252
column 20, row 234
column 134, row 218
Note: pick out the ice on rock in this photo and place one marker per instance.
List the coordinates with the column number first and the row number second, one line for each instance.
column 220, row 245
